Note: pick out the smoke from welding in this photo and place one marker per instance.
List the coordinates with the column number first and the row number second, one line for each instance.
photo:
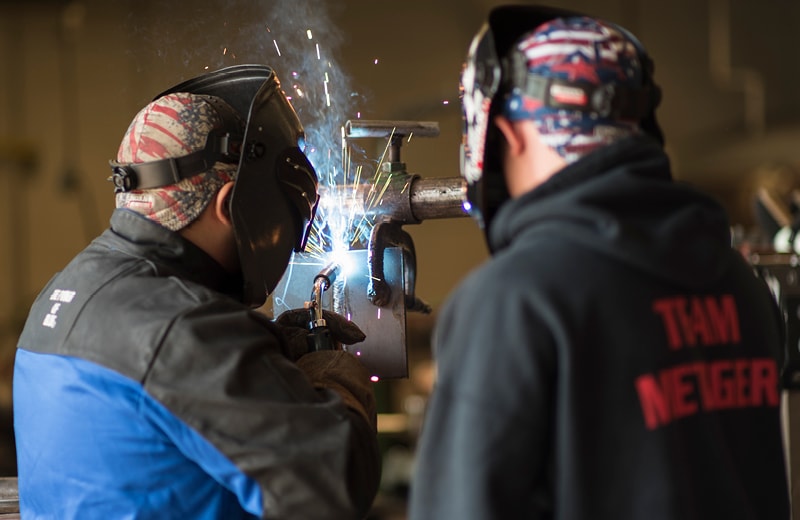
column 297, row 38
column 320, row 91
column 306, row 43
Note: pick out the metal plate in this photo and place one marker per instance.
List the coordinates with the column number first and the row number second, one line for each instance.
column 384, row 350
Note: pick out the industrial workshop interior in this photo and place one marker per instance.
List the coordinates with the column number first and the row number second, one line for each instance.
column 74, row 73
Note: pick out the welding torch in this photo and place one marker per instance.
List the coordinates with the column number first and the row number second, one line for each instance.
column 320, row 336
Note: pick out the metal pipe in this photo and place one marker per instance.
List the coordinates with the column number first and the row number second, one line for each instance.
column 407, row 199
column 438, row 198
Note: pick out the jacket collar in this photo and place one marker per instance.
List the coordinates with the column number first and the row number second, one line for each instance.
column 136, row 235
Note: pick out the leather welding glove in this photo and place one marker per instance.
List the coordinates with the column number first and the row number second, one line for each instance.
column 333, row 369
column 294, row 325
column 344, row 374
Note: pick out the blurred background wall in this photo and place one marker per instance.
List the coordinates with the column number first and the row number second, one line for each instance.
column 73, row 73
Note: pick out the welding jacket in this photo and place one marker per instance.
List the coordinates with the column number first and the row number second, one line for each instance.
column 144, row 390
column 615, row 359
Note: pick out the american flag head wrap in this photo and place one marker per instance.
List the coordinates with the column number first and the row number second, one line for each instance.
column 578, row 49
column 173, row 126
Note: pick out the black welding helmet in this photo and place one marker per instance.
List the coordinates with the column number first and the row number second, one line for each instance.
column 494, row 70
column 275, row 196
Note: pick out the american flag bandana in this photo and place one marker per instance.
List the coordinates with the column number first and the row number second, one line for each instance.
column 579, row 49
column 173, row 126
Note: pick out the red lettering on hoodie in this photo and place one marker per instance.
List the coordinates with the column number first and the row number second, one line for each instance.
column 709, row 320
column 704, row 386
column 691, row 388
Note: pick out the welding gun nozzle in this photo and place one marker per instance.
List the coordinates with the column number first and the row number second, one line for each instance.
column 319, row 338
column 328, row 274
column 322, row 282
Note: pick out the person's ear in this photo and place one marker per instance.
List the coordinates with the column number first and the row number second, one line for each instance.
column 514, row 139
column 222, row 203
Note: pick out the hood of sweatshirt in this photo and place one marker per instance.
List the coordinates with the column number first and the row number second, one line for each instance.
column 621, row 201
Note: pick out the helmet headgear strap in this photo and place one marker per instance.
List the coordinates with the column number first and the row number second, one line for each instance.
column 222, row 145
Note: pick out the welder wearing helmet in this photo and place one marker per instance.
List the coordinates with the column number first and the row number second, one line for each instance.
column 146, row 382
column 615, row 358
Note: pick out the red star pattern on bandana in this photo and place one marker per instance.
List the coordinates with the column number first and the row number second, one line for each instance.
column 577, row 68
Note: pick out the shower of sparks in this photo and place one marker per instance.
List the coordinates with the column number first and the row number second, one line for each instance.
column 347, row 199
column 351, row 185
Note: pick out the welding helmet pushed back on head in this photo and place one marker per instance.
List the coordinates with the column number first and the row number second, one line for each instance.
column 500, row 79
column 274, row 197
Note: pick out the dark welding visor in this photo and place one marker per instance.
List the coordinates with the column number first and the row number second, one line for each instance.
column 274, row 197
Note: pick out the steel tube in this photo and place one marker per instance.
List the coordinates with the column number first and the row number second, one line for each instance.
column 408, row 201
column 438, row 198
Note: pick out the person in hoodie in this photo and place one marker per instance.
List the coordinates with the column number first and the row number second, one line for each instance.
column 615, row 358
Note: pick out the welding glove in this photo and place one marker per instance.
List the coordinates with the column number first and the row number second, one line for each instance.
column 294, row 325
column 343, row 373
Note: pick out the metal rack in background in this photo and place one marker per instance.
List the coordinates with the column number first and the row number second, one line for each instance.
column 781, row 271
